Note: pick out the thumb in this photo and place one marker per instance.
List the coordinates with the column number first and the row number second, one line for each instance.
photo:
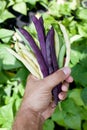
column 57, row 77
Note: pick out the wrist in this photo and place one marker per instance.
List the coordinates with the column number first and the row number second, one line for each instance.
column 37, row 116
column 36, row 113
column 28, row 119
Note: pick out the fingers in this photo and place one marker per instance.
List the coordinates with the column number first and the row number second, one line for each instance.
column 57, row 77
column 65, row 87
column 49, row 111
column 62, row 95
column 69, row 79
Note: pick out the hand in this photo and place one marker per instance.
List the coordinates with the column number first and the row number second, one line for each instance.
column 38, row 96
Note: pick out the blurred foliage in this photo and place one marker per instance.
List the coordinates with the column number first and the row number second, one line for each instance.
column 71, row 113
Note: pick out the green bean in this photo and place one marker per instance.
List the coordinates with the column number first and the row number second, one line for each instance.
column 61, row 56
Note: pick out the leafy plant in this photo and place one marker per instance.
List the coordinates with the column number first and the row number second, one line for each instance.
column 71, row 113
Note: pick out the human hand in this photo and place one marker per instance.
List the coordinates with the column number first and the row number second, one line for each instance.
column 38, row 92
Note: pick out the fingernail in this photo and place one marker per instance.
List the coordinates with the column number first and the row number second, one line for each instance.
column 66, row 70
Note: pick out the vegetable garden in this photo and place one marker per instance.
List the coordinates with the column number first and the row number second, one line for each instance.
column 64, row 22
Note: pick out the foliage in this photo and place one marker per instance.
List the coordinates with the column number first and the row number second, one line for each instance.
column 24, row 5
column 71, row 113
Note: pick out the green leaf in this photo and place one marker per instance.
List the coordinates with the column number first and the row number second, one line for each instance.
column 0, row 64
column 85, row 125
column 17, row 103
column 2, row 94
column 68, row 116
column 3, row 129
column 69, row 106
column 75, row 4
column 6, row 115
column 21, row 75
column 75, row 56
column 59, row 10
column 80, row 75
column 77, row 51
column 79, row 67
column 8, row 90
column 72, row 118
column 6, row 34
column 8, row 60
column 49, row 20
column 84, row 95
column 82, row 29
column 21, row 88
column 11, row 2
column 5, row 15
column 75, row 94
column 72, row 121
column 83, row 113
column 58, row 116
column 67, row 21
column 72, row 27
column 21, row 8
column 2, row 6
column 44, row 3
column 32, row 2
column 48, row 125
column 18, row 1
column 82, row 13
column 3, row 78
